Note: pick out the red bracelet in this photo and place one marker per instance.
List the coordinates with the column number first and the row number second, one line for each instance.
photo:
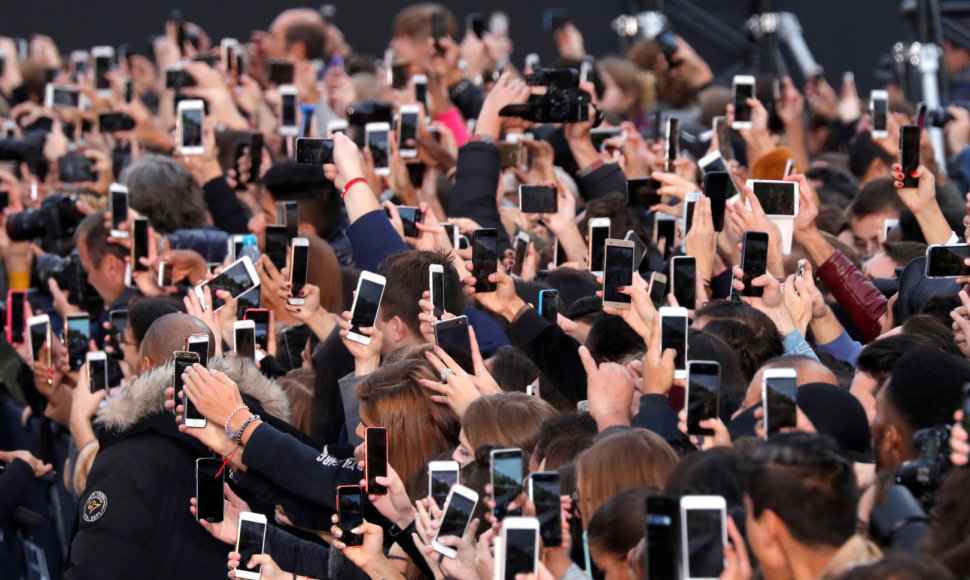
column 226, row 460
column 350, row 184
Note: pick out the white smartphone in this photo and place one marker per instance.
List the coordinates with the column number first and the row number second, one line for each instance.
column 779, row 399
column 234, row 245
column 61, row 97
column 367, row 301
column 189, row 128
column 617, row 273
column 289, row 105
column 742, row 89
column 673, row 334
column 713, row 162
column 436, row 288
column 199, row 344
column 377, row 140
column 518, row 552
column 97, row 363
column 250, row 540
column 118, row 202
column 703, row 520
column 238, row 277
column 690, row 202
column 299, row 265
column 777, row 198
column 459, row 508
column 442, row 475
column 887, row 226
column 104, row 58
column 407, row 130
column 420, row 83
column 38, row 328
column 244, row 339
column 879, row 111
column 165, row 275
column 599, row 231
column 336, row 126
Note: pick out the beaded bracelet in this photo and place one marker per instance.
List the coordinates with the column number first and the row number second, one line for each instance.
column 229, row 419
column 242, row 428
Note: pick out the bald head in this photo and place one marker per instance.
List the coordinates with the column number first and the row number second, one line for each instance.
column 300, row 33
column 168, row 334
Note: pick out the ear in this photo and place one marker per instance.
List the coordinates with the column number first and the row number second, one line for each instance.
column 775, row 530
column 892, row 445
column 298, row 50
column 146, row 364
column 399, row 330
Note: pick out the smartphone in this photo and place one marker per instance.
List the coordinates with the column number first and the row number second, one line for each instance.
column 118, row 200
column 377, row 141
column 947, row 261
column 663, row 553
column 506, row 480
column 599, row 136
column 779, row 396
column 702, row 396
column 16, row 312
column 966, row 407
column 520, row 250
column 275, row 242
column 642, row 192
column 743, row 89
column 442, row 475
column 452, row 336
column 658, row 289
column 350, row 511
column 639, row 248
column 367, row 301
column 336, row 126
column 723, row 131
column 289, row 125
column 375, row 449
column 398, row 74
column 118, row 323
column 690, row 202
column 879, row 111
column 189, row 128
column 78, row 339
column 407, row 131
column 255, row 156
column 909, row 153
column 61, row 97
column 251, row 540
column 410, row 216
column 97, row 364
column 280, row 72
column 420, row 83
column 177, row 78
column 299, row 265
column 128, row 90
column 754, row 261
column 260, row 319
column 671, row 143
column 599, row 231
column 436, row 288
column 519, row 552
column 114, row 122
column 683, row 280
column 712, row 162
column 538, row 199
column 458, row 510
column 484, row 258
column 665, row 229
column 887, row 226
column 73, row 168
column 673, row 334
column 166, row 275
column 703, row 526
column 549, row 305
column 288, row 214
column 777, row 198
column 199, row 344
column 139, row 243
column 209, row 495
column 182, row 360
column 476, row 24
column 244, row 339
column 314, row 151
column 718, row 187
column 238, row 277
column 618, row 273
column 544, row 491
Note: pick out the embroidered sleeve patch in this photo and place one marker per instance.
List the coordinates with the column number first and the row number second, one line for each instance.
column 95, row 507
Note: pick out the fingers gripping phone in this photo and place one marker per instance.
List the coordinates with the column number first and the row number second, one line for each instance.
column 458, row 510
column 673, row 334
column 909, row 153
column 299, row 264
column 367, row 301
column 754, row 261
column 484, row 258
column 375, row 445
column 452, row 336
column 250, row 540
column 350, row 511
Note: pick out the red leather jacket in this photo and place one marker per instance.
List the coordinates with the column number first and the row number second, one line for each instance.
column 864, row 303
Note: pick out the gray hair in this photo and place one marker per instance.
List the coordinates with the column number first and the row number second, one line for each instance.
column 165, row 192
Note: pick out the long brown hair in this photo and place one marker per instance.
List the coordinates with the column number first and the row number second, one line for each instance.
column 510, row 419
column 417, row 428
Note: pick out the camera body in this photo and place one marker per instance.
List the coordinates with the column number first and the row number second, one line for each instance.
column 924, row 474
column 563, row 101
column 56, row 219
column 70, row 277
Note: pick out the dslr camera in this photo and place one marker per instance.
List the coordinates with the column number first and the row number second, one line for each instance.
column 563, row 101
column 924, row 474
column 56, row 220
column 70, row 277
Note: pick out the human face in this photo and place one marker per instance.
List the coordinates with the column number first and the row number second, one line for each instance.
column 867, row 232
column 409, row 49
column 614, row 99
column 106, row 279
column 464, row 454
column 129, row 349
column 863, row 388
column 266, row 216
column 614, row 567
column 880, row 266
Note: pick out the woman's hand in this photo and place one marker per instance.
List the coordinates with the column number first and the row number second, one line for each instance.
column 367, row 357
column 269, row 569
column 395, row 505
column 224, row 531
column 214, row 394
column 458, row 388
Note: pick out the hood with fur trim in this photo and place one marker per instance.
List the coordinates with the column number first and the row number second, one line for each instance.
column 146, row 396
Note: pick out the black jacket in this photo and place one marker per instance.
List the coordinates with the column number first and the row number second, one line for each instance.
column 476, row 181
column 553, row 351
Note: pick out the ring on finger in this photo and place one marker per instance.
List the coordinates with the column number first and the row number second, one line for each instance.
column 445, row 373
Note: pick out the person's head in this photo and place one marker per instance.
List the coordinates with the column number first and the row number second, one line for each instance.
column 924, row 390
column 613, row 206
column 615, row 529
column 297, row 34
column 621, row 460
column 956, row 56
column 412, row 40
column 612, row 339
column 167, row 335
column 623, row 83
column 512, row 369
column 407, row 279
column 809, row 371
column 706, row 346
column 163, row 190
column 298, row 386
column 874, row 365
column 142, row 314
column 317, row 200
column 564, row 426
column 103, row 261
column 893, row 255
column 877, row 202
column 717, row 471
column 511, row 420
column 950, row 537
column 899, row 566
column 868, row 160
column 801, row 499
column 748, row 331
column 833, row 186
column 417, row 428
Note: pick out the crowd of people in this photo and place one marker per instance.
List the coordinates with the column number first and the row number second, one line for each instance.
column 867, row 481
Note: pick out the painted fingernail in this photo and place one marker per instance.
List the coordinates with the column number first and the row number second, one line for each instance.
column 437, row 348
column 915, row 172
column 299, row 310
column 427, row 353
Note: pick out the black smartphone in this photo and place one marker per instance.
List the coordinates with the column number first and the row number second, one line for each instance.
column 260, row 316
column 506, row 480
column 520, row 249
column 367, row 302
column 314, row 151
column 139, row 243
column 280, row 72
column 112, row 122
column 16, row 316
column 538, row 199
column 484, row 258
column 477, row 23
column 909, row 153
column 642, row 192
column 350, row 510
column 779, row 396
column 177, row 78
column 666, row 230
column 73, row 168
column 743, row 90
column 703, row 380
column 671, row 143
column 276, row 240
column 118, row 322
column 658, row 289
column 683, row 279
column 754, row 261
column 209, row 494
column 718, row 187
column 375, row 443
column 78, row 339
column 39, row 333
column 617, row 273
column 673, row 334
column 182, row 360
column 452, row 336
column 439, row 28
column 410, row 217
column 947, row 261
column 436, row 288
column 544, row 490
column 255, row 156
column 299, row 267
column 690, row 202
column 662, row 557
column 966, row 407
column 549, row 305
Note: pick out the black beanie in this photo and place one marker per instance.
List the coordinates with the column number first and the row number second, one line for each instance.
column 926, row 387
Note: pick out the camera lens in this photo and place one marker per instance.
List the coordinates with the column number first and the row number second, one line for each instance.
column 26, row 225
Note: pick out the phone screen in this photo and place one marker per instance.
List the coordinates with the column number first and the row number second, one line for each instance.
column 880, row 115
column 276, row 239
column 376, row 459
column 250, row 541
column 65, row 98
column 288, row 110
column 280, row 73
column 643, row 192
column 192, row 127
column 366, row 305
column 182, row 362
column 441, row 482
column 545, row 496
column 209, row 493
column 658, row 289
column 909, row 153
column 452, row 336
column 351, row 512
column 781, row 394
column 139, row 243
column 617, row 273
column 73, row 169
column 671, row 143
column 98, row 374
column 235, row 279
column 685, row 281
column 437, row 291
column 102, row 64
column 521, row 248
column 506, row 481
column 38, row 335
column 16, row 306
column 689, row 215
column 245, row 342
column 409, row 131
column 457, row 516
column 421, row 92
column 539, row 199
column 704, row 543
column 663, row 541
column 666, row 231
column 298, row 269
column 742, row 92
column 754, row 261
column 702, row 396
column 380, row 148
column 673, row 334
column 200, row 348
column 716, row 188
column 314, row 151
column 78, row 340
column 484, row 258
column 520, row 556
column 597, row 240
column 717, row 165
column 261, row 319
column 119, row 324
column 947, row 261
column 119, row 209
column 549, row 305
column 776, row 198
column 410, row 216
